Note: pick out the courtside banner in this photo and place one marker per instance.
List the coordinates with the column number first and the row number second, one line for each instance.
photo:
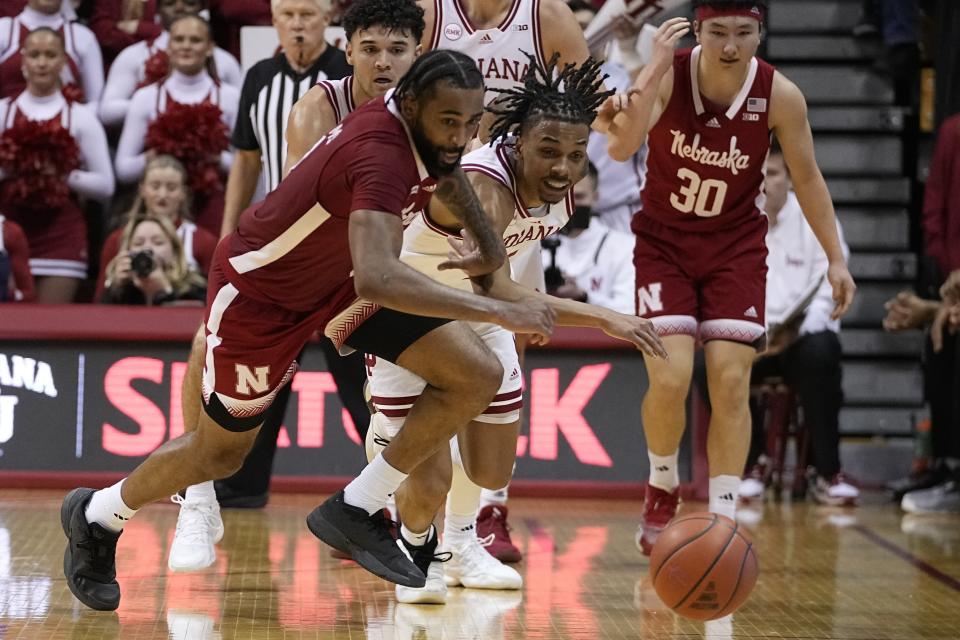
column 101, row 407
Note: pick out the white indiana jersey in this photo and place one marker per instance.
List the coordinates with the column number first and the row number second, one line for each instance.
column 425, row 244
column 498, row 51
column 340, row 96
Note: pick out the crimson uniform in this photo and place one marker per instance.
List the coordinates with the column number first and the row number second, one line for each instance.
column 287, row 272
column 700, row 255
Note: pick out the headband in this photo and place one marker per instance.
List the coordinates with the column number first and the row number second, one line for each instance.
column 705, row 13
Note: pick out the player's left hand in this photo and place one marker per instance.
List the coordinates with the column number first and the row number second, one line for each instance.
column 843, row 288
column 466, row 255
column 639, row 331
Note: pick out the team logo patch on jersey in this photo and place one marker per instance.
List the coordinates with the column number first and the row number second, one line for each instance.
column 486, row 39
column 452, row 31
column 520, row 27
column 757, row 105
column 751, row 117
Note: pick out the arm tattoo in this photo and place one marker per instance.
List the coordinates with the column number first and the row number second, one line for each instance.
column 456, row 193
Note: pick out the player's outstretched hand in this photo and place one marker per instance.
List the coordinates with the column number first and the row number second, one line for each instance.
column 639, row 331
column 665, row 43
column 465, row 254
column 528, row 316
column 843, row 288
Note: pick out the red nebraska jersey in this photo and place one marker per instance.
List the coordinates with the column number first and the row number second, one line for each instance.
column 705, row 167
column 291, row 249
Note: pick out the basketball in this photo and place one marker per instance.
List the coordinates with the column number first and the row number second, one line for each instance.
column 703, row 566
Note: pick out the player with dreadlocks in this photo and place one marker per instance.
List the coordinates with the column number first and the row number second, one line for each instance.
column 523, row 178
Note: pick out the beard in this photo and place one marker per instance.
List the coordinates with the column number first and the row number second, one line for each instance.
column 430, row 153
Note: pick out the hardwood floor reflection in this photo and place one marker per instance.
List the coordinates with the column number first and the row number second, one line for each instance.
column 824, row 574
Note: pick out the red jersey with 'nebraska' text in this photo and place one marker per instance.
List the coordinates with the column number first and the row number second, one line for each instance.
column 291, row 250
column 705, row 165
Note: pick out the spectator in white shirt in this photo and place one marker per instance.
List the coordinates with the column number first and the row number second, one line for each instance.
column 595, row 262
column 804, row 346
column 129, row 71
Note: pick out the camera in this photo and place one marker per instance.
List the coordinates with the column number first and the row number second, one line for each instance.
column 142, row 263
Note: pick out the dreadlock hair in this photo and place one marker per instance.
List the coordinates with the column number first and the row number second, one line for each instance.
column 397, row 16
column 440, row 65
column 541, row 96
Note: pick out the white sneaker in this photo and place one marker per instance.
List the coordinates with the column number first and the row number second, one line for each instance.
column 433, row 592
column 199, row 528
column 471, row 566
column 835, row 492
column 431, row 564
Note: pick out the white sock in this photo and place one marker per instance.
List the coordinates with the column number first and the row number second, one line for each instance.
column 201, row 492
column 463, row 501
column 107, row 508
column 370, row 489
column 724, row 491
column 498, row 497
column 663, row 471
column 415, row 539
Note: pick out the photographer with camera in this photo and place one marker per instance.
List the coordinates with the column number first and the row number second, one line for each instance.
column 150, row 268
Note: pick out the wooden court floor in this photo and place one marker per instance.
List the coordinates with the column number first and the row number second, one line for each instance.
column 868, row 573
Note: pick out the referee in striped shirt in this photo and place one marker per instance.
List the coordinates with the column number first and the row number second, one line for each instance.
column 270, row 89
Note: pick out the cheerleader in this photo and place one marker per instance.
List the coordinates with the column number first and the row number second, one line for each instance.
column 82, row 75
column 147, row 62
column 52, row 151
column 190, row 115
column 164, row 193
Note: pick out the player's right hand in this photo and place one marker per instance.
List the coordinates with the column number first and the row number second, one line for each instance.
column 665, row 43
column 528, row 316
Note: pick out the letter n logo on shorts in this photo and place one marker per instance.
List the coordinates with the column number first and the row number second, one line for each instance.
column 648, row 299
column 252, row 382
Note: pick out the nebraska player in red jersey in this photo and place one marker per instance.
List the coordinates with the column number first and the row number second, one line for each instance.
column 322, row 253
column 700, row 254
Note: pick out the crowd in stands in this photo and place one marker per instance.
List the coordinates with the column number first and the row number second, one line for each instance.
column 121, row 120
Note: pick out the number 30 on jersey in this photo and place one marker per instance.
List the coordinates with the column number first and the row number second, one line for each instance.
column 702, row 197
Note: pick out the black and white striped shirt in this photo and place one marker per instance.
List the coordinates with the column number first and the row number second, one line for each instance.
column 270, row 89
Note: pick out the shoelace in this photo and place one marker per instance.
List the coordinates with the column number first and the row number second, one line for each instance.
column 486, row 541
column 101, row 560
column 195, row 522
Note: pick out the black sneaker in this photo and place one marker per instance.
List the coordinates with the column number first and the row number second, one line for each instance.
column 366, row 538
column 89, row 561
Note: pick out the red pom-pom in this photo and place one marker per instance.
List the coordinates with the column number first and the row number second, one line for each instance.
column 155, row 68
column 195, row 134
column 73, row 92
column 37, row 157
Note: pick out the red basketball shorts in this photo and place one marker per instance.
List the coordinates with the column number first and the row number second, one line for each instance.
column 710, row 285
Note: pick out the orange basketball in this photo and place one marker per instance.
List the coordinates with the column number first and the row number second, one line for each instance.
column 703, row 566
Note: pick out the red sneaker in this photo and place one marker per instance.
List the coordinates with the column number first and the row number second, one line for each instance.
column 659, row 508
column 492, row 525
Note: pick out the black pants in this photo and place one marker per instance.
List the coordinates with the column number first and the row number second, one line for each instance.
column 348, row 372
column 811, row 368
column 941, row 390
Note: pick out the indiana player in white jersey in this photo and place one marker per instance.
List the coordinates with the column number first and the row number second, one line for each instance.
column 707, row 116
column 382, row 43
column 497, row 34
column 523, row 178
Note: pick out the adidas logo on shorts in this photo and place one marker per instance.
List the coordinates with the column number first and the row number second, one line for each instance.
column 751, row 313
